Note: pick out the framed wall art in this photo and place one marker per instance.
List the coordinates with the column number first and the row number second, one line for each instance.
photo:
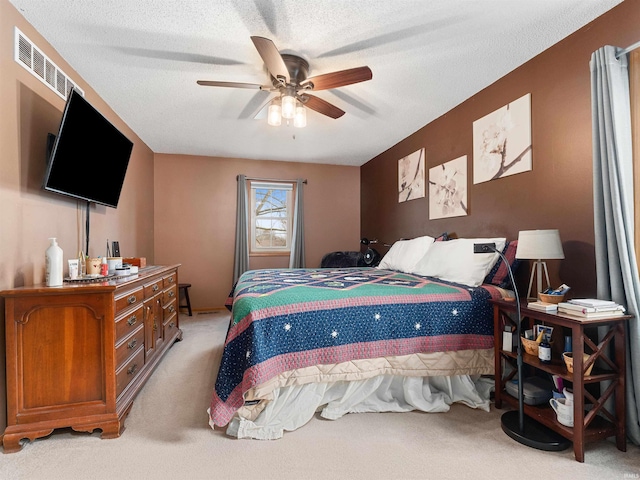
column 411, row 176
column 502, row 141
column 448, row 189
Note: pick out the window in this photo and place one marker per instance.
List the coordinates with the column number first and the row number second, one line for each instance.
column 271, row 207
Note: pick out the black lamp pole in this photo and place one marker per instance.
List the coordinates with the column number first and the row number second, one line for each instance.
column 524, row 430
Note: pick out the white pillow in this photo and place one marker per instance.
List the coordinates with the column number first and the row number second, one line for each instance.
column 404, row 254
column 454, row 261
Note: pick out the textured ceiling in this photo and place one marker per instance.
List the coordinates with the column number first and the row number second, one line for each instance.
column 143, row 58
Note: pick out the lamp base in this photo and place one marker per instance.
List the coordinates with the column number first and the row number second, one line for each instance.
column 534, row 435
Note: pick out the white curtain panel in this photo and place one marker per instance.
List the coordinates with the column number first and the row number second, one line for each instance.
column 616, row 266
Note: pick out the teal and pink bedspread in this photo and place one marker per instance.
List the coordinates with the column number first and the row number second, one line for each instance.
column 286, row 319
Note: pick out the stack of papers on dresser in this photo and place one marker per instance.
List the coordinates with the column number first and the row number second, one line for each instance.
column 590, row 308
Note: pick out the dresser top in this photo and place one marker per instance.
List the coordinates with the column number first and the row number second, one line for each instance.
column 93, row 285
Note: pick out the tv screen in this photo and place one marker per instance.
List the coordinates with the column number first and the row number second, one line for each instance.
column 89, row 157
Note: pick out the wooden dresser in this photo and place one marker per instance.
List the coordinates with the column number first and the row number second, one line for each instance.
column 77, row 355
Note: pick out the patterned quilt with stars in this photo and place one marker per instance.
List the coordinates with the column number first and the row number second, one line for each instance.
column 283, row 319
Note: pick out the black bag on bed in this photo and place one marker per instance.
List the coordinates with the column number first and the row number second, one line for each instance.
column 370, row 258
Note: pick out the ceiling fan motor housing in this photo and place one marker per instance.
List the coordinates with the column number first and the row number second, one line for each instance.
column 297, row 67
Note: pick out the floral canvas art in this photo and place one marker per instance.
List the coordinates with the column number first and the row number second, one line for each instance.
column 411, row 176
column 502, row 141
column 448, row 189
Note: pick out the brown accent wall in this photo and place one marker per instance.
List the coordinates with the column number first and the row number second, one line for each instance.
column 557, row 193
column 28, row 215
column 195, row 210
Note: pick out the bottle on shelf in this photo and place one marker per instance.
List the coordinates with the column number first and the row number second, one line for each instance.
column 53, row 264
column 544, row 350
column 82, row 264
column 104, row 267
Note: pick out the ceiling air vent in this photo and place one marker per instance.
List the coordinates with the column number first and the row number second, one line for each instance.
column 41, row 67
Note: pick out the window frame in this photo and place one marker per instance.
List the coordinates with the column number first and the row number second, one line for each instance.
column 252, row 187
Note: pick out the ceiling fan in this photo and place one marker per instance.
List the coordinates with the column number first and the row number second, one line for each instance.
column 289, row 77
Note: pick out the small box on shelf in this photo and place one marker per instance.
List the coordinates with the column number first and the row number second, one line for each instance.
column 507, row 340
column 139, row 262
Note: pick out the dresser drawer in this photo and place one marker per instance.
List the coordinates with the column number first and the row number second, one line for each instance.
column 170, row 280
column 128, row 322
column 169, row 294
column 169, row 310
column 128, row 371
column 124, row 302
column 171, row 327
column 129, row 345
column 150, row 289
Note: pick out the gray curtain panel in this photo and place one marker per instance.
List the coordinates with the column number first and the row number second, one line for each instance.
column 616, row 266
column 241, row 257
column 296, row 259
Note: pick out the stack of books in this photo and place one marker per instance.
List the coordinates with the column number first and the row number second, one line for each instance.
column 590, row 308
column 543, row 306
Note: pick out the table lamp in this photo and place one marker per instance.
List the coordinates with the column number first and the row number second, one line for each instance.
column 539, row 245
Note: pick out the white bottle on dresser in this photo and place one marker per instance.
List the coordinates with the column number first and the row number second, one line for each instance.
column 53, row 263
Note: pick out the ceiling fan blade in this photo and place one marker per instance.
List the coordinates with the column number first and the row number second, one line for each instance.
column 340, row 79
column 261, row 112
column 320, row 106
column 213, row 83
column 271, row 57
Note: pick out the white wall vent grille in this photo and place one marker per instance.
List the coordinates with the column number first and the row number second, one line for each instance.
column 40, row 66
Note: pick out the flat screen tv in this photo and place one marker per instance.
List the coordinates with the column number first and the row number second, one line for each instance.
column 89, row 157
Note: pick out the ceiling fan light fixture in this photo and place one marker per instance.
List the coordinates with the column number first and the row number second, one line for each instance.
column 300, row 118
column 288, row 74
column 274, row 115
column 288, row 106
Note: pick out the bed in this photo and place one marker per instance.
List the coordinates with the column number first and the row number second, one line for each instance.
column 347, row 340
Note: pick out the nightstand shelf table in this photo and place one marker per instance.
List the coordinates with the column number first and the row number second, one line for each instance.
column 599, row 422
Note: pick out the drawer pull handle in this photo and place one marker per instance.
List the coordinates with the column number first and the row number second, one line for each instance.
column 172, row 324
column 172, row 293
column 132, row 343
column 155, row 288
column 132, row 320
column 155, row 326
column 170, row 279
column 171, row 309
column 132, row 299
column 132, row 369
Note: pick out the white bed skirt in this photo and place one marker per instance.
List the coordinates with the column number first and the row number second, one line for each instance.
column 294, row 406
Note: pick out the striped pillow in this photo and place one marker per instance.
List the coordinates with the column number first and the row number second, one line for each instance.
column 499, row 275
column 443, row 237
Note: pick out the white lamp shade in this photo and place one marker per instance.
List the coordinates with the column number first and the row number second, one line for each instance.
column 274, row 118
column 288, row 106
column 539, row 245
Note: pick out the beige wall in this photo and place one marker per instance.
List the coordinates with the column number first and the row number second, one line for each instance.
column 195, row 208
column 194, row 223
column 557, row 193
column 28, row 215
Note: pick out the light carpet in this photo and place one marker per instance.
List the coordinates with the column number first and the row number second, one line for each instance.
column 167, row 437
